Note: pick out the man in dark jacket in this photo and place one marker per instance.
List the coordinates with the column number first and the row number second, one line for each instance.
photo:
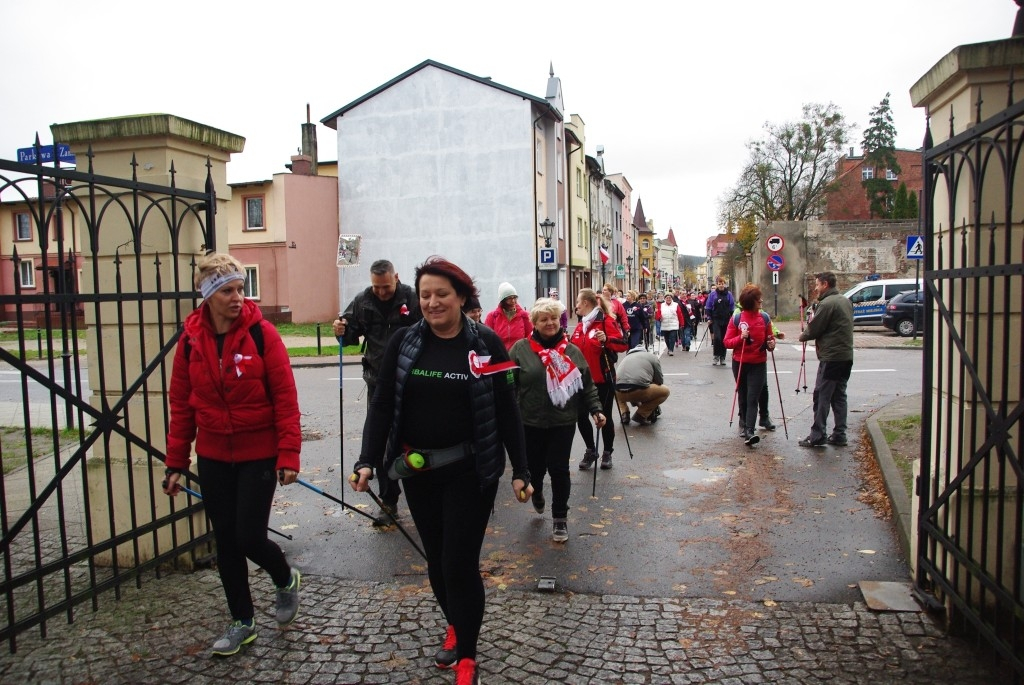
column 719, row 308
column 831, row 328
column 374, row 315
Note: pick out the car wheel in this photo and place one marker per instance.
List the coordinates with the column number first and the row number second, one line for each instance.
column 905, row 327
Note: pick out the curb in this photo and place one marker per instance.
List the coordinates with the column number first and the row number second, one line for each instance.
column 898, row 495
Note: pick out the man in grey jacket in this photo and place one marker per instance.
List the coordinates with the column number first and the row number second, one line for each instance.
column 640, row 382
column 831, row 329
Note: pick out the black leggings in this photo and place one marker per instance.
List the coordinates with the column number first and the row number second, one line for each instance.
column 451, row 511
column 238, row 497
column 547, row 451
column 606, row 392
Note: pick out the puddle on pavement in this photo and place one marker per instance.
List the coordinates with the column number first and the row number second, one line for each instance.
column 695, row 475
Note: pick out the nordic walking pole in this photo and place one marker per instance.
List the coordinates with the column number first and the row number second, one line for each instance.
column 778, row 389
column 803, row 352
column 739, row 374
column 369, row 491
column 597, row 451
column 702, row 339
column 199, row 497
column 343, row 503
column 348, row 255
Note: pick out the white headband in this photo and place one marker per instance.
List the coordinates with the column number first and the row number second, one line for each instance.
column 214, row 283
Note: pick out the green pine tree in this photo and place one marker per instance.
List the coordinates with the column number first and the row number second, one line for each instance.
column 879, row 147
column 901, row 206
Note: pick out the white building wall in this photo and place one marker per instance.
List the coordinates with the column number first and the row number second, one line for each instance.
column 440, row 164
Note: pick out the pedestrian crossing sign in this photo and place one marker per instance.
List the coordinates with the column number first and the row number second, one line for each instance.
column 915, row 247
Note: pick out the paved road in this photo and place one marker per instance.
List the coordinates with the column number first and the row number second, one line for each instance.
column 698, row 561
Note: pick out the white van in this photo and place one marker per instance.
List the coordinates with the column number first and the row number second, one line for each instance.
column 870, row 297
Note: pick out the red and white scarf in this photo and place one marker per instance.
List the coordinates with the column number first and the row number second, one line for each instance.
column 563, row 378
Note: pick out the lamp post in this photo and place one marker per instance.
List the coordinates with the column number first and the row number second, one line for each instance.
column 546, row 227
column 629, row 272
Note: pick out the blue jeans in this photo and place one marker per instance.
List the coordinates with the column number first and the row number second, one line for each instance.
column 687, row 336
column 670, row 339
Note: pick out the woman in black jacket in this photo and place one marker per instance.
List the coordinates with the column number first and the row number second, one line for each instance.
column 442, row 418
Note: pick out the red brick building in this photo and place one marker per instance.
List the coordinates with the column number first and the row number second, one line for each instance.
column 850, row 201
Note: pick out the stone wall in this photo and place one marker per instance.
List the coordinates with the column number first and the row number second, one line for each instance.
column 853, row 250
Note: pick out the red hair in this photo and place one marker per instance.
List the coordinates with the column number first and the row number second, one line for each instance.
column 461, row 282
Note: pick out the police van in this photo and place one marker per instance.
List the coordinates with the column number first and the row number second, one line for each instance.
column 870, row 297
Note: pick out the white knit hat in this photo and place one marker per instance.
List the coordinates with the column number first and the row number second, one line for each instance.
column 506, row 290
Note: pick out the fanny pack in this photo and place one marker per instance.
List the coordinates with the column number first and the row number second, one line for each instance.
column 412, row 461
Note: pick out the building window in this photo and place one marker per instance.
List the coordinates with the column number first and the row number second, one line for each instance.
column 252, row 282
column 645, row 244
column 890, row 175
column 579, row 182
column 27, row 272
column 558, row 167
column 867, row 173
column 579, row 231
column 254, row 214
column 22, row 226
column 539, row 162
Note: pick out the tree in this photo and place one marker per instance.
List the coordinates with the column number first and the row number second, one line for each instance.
column 901, row 205
column 879, row 147
column 912, row 209
column 790, row 170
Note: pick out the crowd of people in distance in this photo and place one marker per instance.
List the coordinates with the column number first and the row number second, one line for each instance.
column 454, row 395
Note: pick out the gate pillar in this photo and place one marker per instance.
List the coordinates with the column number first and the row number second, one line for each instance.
column 146, row 243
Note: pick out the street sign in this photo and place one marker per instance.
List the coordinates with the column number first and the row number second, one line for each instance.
column 775, row 278
column 620, row 271
column 776, row 262
column 915, row 247
column 547, row 262
column 27, row 155
column 775, row 243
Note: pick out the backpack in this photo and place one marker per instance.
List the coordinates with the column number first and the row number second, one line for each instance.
column 255, row 332
column 764, row 315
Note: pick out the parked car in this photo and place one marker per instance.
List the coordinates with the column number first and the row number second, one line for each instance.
column 869, row 298
column 905, row 313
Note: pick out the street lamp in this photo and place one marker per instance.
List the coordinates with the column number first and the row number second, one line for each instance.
column 545, row 231
column 629, row 272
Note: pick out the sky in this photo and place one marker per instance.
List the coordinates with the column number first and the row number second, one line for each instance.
column 674, row 91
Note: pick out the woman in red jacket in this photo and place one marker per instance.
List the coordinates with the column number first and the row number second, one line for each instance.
column 596, row 335
column 509, row 319
column 239, row 403
column 749, row 335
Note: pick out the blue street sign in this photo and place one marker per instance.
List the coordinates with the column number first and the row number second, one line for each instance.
column 547, row 262
column 27, row 155
column 775, row 262
column 915, row 247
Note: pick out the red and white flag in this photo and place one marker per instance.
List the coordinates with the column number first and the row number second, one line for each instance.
column 647, row 272
column 605, row 256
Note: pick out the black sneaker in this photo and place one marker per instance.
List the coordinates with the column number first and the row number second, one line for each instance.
column 445, row 657
column 752, row 440
column 538, row 501
column 837, row 440
column 589, row 457
column 807, row 442
column 606, row 461
column 386, row 515
column 625, row 418
column 639, row 420
column 654, row 417
column 560, row 532
column 766, row 423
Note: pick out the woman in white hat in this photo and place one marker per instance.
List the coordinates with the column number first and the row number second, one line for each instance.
column 509, row 320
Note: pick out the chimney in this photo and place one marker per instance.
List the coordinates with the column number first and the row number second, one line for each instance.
column 600, row 150
column 851, row 151
column 309, row 147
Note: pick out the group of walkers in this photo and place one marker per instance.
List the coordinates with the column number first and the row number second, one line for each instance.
column 449, row 397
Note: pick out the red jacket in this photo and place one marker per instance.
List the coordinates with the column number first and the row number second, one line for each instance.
column 619, row 310
column 510, row 330
column 223, row 404
column 750, row 351
column 592, row 349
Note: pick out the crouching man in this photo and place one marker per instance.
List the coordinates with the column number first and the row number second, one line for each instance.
column 640, row 382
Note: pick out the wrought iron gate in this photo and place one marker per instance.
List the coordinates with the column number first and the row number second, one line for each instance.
column 81, row 511
column 971, row 509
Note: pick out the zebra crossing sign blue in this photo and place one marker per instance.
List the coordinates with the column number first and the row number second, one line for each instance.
column 915, row 247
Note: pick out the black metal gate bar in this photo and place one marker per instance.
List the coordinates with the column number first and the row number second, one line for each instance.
column 49, row 570
column 971, row 503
